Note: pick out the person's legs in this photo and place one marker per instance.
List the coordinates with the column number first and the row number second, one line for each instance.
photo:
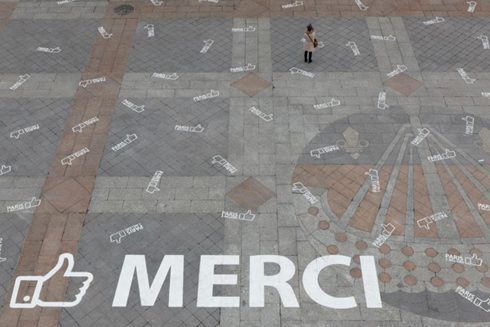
column 310, row 56
column 306, row 53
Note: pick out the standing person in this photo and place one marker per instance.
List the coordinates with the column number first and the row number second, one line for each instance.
column 310, row 43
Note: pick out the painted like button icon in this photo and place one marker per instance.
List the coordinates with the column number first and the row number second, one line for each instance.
column 34, row 300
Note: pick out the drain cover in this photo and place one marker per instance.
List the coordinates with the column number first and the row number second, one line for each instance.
column 123, row 10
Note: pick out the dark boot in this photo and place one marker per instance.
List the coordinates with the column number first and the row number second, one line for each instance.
column 310, row 56
column 306, row 56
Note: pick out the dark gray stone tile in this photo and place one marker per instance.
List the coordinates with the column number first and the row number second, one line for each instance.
column 449, row 45
column 159, row 146
column 334, row 32
column 21, row 37
column 177, row 44
column 31, row 153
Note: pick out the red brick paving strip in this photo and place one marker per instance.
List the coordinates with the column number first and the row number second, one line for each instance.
column 474, row 193
column 57, row 224
column 365, row 215
column 465, row 223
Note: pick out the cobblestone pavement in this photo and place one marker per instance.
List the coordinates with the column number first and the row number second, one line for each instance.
column 158, row 142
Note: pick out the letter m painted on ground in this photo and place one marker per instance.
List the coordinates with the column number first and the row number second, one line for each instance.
column 149, row 293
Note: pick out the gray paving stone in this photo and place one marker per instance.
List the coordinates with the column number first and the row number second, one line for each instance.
column 20, row 38
column 446, row 46
column 177, row 44
column 287, row 241
column 159, row 146
column 287, row 48
column 31, row 153
column 454, row 307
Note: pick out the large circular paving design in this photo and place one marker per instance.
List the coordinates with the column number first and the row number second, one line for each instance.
column 413, row 192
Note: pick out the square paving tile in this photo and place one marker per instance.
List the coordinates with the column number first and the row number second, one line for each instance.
column 334, row 32
column 20, row 38
column 14, row 229
column 30, row 154
column 250, row 194
column 251, row 84
column 449, row 45
column 177, row 45
column 404, row 84
column 159, row 146
column 190, row 235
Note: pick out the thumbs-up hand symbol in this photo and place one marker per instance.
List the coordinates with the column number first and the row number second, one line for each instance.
column 484, row 305
column 5, row 169
column 197, row 129
column 473, row 260
column 34, row 300
column 172, row 76
column 246, row 216
column 387, row 229
column 268, row 117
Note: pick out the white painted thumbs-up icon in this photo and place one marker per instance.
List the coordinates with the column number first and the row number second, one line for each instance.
column 34, row 300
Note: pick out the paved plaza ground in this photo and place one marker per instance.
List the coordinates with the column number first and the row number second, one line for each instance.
column 141, row 140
